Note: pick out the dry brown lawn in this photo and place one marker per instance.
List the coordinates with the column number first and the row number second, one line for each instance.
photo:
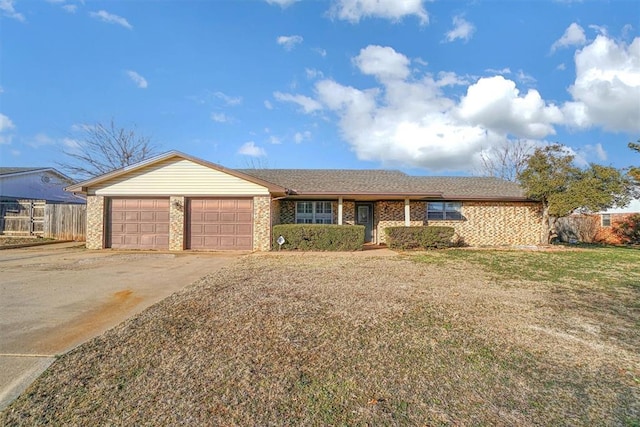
column 321, row 339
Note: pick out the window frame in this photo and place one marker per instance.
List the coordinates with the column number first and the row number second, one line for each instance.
column 605, row 220
column 319, row 214
column 449, row 211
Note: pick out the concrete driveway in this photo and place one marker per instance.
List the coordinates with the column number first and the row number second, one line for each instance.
column 55, row 297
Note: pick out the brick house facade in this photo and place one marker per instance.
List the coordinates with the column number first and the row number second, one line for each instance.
column 177, row 202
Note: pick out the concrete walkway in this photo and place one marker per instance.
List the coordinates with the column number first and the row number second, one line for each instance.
column 55, row 297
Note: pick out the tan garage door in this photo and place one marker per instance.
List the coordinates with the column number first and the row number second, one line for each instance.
column 221, row 224
column 139, row 223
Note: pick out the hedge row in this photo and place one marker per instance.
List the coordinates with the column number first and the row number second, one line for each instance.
column 319, row 237
column 427, row 237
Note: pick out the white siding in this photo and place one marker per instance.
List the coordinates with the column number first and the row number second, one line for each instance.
column 177, row 176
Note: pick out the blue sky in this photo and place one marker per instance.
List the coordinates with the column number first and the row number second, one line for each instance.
column 419, row 86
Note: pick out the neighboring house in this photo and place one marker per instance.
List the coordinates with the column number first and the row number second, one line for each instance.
column 36, row 184
column 608, row 219
column 177, row 202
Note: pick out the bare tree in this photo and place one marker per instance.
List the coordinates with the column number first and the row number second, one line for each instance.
column 102, row 149
column 506, row 160
column 256, row 163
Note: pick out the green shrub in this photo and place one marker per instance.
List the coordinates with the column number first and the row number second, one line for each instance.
column 428, row 237
column 319, row 237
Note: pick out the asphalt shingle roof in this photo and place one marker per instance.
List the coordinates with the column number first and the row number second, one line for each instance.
column 8, row 171
column 386, row 182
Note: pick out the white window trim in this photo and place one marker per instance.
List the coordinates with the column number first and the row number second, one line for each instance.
column 314, row 215
column 444, row 210
column 602, row 220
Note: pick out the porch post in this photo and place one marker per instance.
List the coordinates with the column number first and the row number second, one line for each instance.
column 407, row 213
column 340, row 210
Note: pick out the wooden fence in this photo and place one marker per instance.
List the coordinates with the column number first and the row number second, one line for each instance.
column 41, row 219
column 65, row 221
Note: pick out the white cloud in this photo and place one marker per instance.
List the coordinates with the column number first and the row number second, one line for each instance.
column 268, row 105
column 320, row 51
column 229, row 100
column 275, row 140
column 561, row 67
column 282, row 3
column 600, row 29
column 462, row 30
column 573, row 36
column 607, row 86
column 140, row 81
column 496, row 104
column 449, row 78
column 110, row 18
column 502, row 71
column 394, row 10
column 301, row 136
column 525, row 78
column 71, row 8
column 308, row 104
column 40, row 140
column 6, row 126
column 251, row 149
column 220, row 118
column 598, row 150
column 71, row 144
column 384, row 63
column 5, row 123
column 289, row 42
column 7, row 8
column 415, row 119
column 313, row 73
column 409, row 120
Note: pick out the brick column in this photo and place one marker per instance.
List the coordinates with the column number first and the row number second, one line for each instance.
column 95, row 222
column 262, row 223
column 177, row 206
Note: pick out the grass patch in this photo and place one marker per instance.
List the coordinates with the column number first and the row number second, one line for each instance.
column 607, row 266
column 353, row 340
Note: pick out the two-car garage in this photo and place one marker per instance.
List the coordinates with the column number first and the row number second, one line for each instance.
column 211, row 223
column 177, row 202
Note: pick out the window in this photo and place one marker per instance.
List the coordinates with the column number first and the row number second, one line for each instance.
column 444, row 210
column 606, row 220
column 314, row 213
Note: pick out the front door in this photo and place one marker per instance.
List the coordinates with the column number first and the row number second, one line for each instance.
column 364, row 216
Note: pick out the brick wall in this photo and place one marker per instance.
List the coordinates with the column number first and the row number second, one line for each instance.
column 484, row 223
column 177, row 206
column 498, row 223
column 390, row 213
column 606, row 234
column 95, row 222
column 262, row 223
column 348, row 212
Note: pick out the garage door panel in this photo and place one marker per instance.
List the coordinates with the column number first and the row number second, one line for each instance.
column 221, row 224
column 245, row 217
column 244, row 229
column 211, row 229
column 228, row 217
column 211, row 216
column 245, row 204
column 139, row 223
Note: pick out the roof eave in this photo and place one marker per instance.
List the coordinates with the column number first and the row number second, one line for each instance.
column 83, row 186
